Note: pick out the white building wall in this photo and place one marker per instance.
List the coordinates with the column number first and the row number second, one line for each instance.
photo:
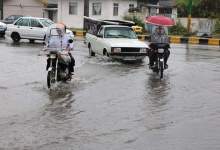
column 23, row 7
column 107, row 8
column 75, row 21
column 199, row 24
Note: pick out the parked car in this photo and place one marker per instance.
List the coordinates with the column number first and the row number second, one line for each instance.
column 11, row 19
column 31, row 28
column 3, row 28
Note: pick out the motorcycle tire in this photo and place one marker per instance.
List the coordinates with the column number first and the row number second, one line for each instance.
column 50, row 78
column 161, row 69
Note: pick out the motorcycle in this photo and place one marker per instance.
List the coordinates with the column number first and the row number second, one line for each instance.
column 58, row 58
column 159, row 63
column 58, row 67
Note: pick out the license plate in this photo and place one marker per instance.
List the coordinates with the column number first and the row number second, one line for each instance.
column 160, row 50
column 130, row 58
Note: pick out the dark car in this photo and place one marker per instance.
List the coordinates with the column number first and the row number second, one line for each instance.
column 11, row 19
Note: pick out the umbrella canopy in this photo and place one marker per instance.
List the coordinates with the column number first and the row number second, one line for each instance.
column 160, row 21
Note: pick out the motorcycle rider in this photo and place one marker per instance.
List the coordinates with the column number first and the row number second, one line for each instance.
column 63, row 41
column 159, row 39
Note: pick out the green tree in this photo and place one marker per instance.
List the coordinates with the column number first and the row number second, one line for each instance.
column 200, row 8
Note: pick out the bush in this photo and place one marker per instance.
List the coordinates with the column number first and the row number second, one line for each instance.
column 138, row 21
column 178, row 29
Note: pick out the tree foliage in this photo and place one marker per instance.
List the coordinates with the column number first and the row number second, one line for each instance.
column 178, row 29
column 200, row 8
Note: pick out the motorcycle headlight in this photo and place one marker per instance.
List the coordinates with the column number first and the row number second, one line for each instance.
column 116, row 50
column 143, row 50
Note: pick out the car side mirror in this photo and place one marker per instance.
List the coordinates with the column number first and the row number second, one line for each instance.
column 100, row 36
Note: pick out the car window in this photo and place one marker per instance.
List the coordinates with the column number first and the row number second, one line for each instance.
column 46, row 22
column 22, row 22
column 119, row 32
column 35, row 23
column 101, row 32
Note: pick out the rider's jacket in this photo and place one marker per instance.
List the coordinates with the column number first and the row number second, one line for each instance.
column 159, row 38
column 59, row 42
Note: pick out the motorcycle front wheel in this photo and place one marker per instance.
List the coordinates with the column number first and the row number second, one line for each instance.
column 161, row 68
column 50, row 78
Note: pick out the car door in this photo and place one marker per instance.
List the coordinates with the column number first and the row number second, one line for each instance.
column 36, row 29
column 99, row 41
column 22, row 27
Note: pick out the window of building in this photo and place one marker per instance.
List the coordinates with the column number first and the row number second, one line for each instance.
column 96, row 9
column 131, row 7
column 73, row 7
column 115, row 9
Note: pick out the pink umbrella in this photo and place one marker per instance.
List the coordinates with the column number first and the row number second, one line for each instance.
column 160, row 21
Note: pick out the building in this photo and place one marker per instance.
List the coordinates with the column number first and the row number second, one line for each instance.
column 1, row 9
column 168, row 8
column 158, row 7
column 71, row 12
column 51, row 10
column 23, row 7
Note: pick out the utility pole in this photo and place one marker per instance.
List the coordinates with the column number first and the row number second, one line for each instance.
column 189, row 15
column 86, row 11
column 86, row 8
column 1, row 9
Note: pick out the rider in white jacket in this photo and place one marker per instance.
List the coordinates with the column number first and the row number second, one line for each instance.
column 59, row 40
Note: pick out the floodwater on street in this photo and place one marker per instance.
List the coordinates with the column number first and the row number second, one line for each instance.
column 110, row 105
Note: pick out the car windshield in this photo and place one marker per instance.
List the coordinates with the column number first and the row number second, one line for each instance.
column 119, row 32
column 46, row 22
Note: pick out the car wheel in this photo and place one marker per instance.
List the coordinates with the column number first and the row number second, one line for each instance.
column 105, row 53
column 15, row 37
column 91, row 53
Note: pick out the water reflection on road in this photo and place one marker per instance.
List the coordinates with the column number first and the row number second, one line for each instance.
column 109, row 104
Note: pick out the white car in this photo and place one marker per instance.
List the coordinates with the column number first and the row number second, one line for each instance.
column 3, row 28
column 118, row 42
column 31, row 28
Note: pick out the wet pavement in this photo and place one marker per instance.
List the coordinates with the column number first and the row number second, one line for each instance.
column 110, row 105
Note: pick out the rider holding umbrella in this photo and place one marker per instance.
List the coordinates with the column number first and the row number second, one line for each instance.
column 159, row 38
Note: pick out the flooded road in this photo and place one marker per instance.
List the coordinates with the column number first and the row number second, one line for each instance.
column 110, row 105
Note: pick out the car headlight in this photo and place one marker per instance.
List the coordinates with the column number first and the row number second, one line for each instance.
column 143, row 50
column 116, row 50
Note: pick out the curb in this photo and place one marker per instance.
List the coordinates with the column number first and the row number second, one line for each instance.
column 173, row 39
column 187, row 40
